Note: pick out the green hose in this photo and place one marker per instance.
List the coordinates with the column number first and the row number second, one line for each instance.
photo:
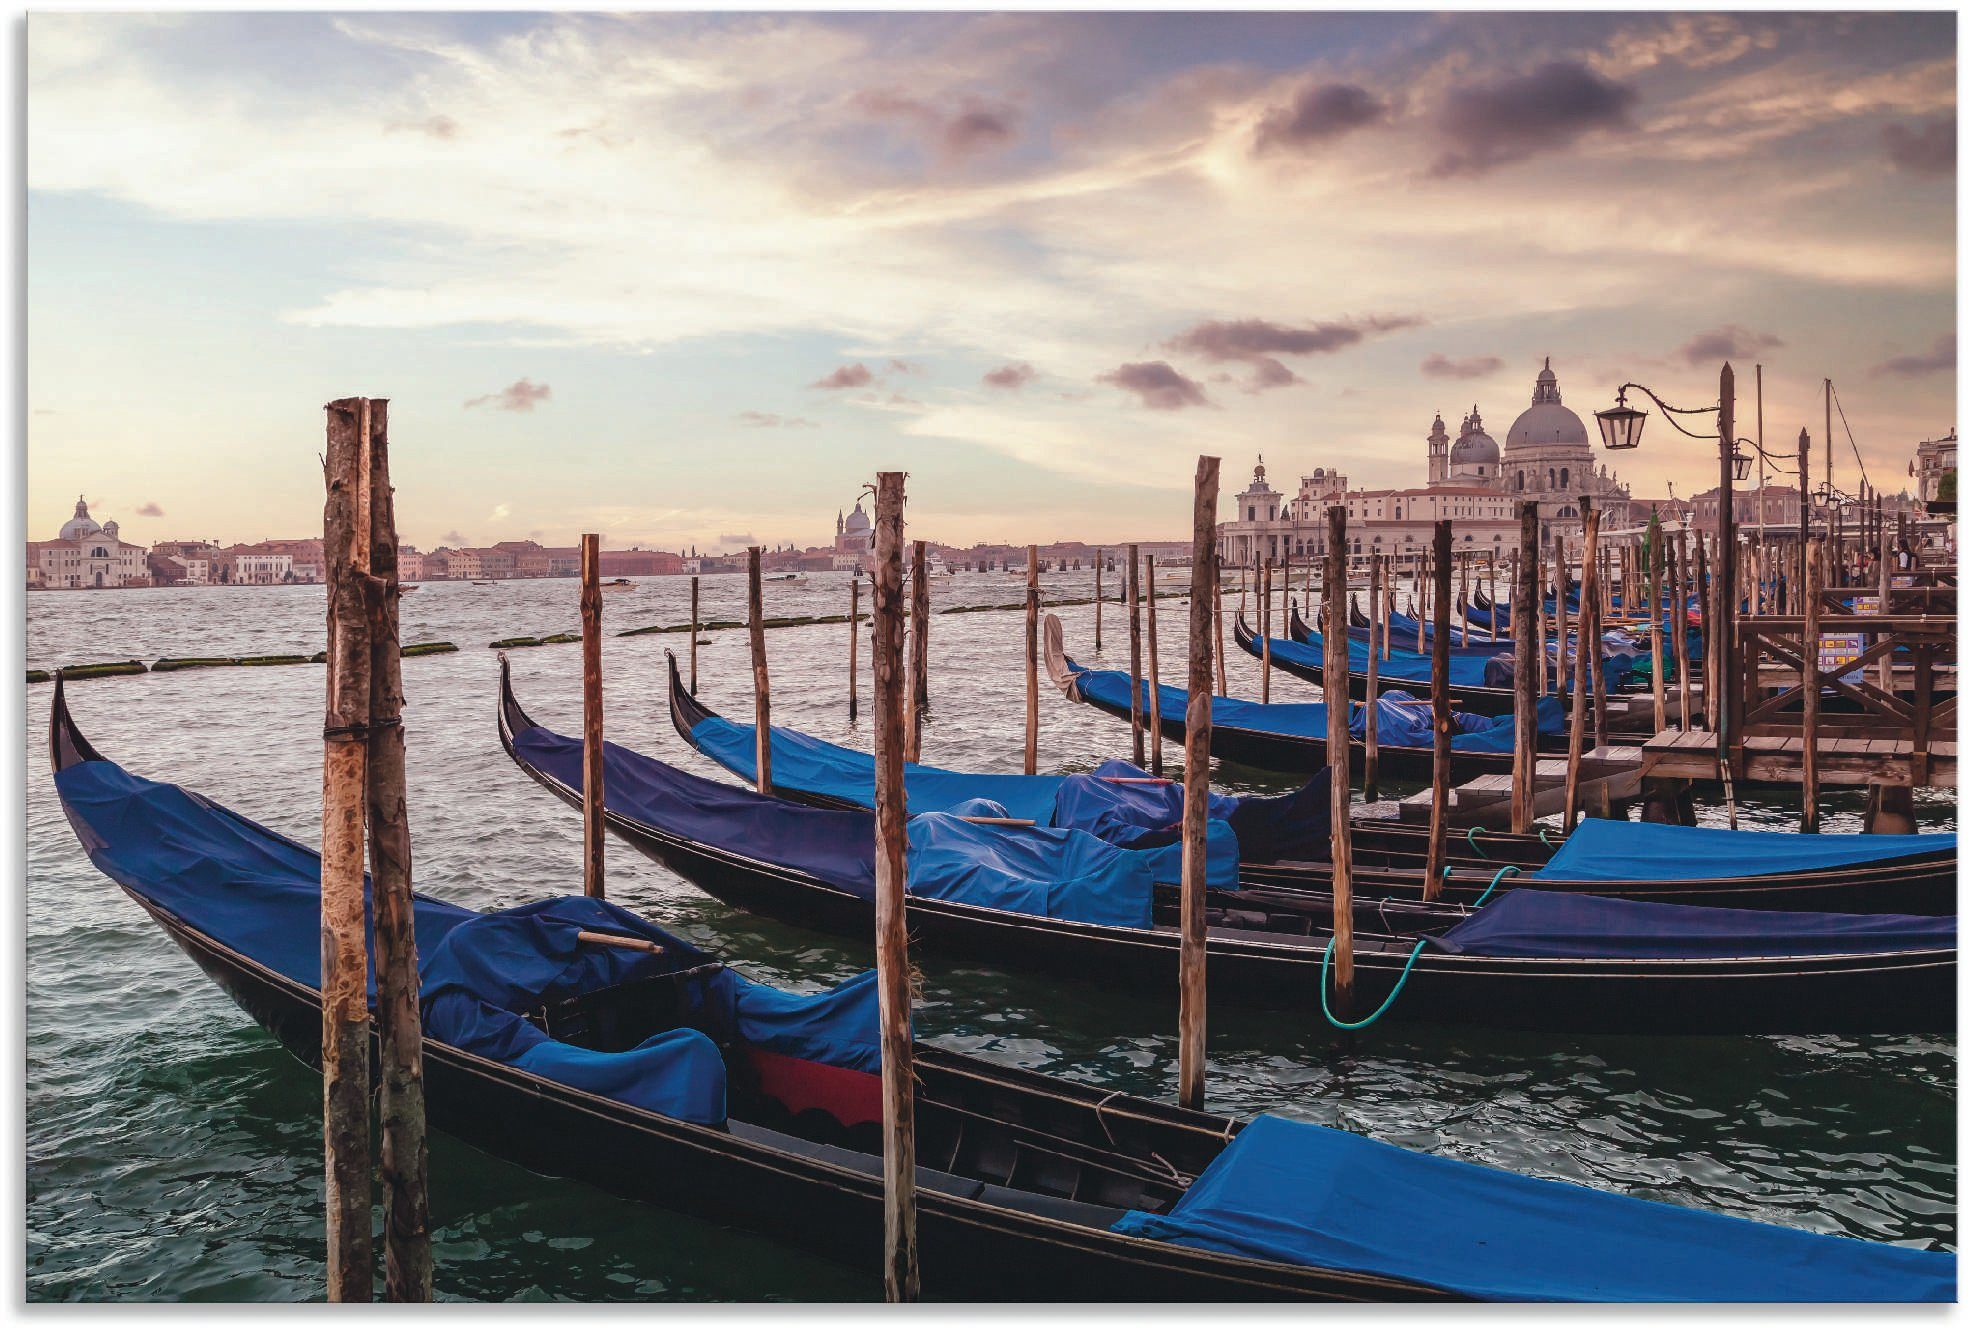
column 1472, row 842
column 1544, row 839
column 1493, row 885
column 1325, row 959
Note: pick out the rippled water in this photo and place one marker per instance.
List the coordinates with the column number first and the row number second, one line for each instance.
column 173, row 1150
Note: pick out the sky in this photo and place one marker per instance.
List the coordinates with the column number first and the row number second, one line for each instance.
column 691, row 280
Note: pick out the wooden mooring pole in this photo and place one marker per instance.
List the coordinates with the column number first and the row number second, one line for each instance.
column 1371, row 784
column 1659, row 638
column 1134, row 655
column 918, row 650
column 1154, row 679
column 1678, row 578
column 594, row 801
column 761, row 684
column 1099, row 557
column 1216, row 624
column 346, row 546
column 693, row 651
column 1582, row 668
column 1192, row 1017
column 1031, row 659
column 1563, row 609
column 901, row 1278
column 1335, row 674
column 1529, row 650
column 1441, row 723
column 1264, row 630
column 1813, row 689
column 406, row 1151
column 853, row 643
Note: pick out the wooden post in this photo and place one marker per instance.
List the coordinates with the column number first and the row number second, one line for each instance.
column 1885, row 605
column 1729, row 712
column 1491, row 591
column 344, row 795
column 1191, row 1020
column 406, row 1152
column 1813, row 690
column 1216, row 620
column 1099, row 557
column 1524, row 603
column 1264, row 630
column 918, row 699
column 1564, row 611
column 1371, row 791
column 1421, row 605
column 1338, row 762
column 1154, row 681
column 594, row 802
column 761, row 684
column 1654, row 557
column 1712, row 660
column 693, row 651
column 1543, row 633
column 900, row 1273
column 853, row 643
column 1134, row 655
column 1462, row 600
column 1031, row 659
column 1438, row 809
column 1679, row 578
column 1582, row 670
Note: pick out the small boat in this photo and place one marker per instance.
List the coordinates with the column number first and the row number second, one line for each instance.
column 575, row 1038
column 1069, row 903
column 1291, row 735
column 485, row 583
column 1284, row 841
column 618, row 583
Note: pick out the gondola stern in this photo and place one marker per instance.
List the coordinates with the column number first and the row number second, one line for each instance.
column 66, row 745
column 686, row 711
column 1060, row 669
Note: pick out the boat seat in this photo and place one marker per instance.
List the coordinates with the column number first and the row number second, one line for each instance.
column 1099, row 1216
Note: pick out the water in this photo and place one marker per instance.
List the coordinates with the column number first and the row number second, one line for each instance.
column 173, row 1150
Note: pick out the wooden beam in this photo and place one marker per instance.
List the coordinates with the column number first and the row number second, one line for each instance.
column 1524, row 604
column 901, row 1277
column 1371, row 784
column 1192, row 1018
column 1813, row 692
column 693, row 648
column 1338, row 712
column 919, row 650
column 1442, row 724
column 1134, row 655
column 1031, row 659
column 344, row 798
column 594, row 802
column 853, row 641
column 1154, row 679
column 1582, row 671
column 406, row 1150
column 761, row 683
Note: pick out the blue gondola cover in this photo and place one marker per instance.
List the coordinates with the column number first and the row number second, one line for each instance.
column 1610, row 850
column 1542, row 924
column 1299, row 1193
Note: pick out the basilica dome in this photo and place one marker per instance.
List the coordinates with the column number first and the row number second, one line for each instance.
column 79, row 526
column 1547, row 423
column 1474, row 447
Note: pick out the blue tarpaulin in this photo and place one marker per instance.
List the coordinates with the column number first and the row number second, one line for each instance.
column 1543, row 924
column 811, row 765
column 1298, row 1193
column 1465, row 667
column 1122, row 804
column 1034, row 870
column 1606, row 850
column 1307, row 719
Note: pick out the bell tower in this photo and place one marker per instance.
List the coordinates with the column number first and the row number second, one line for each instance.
column 1438, row 452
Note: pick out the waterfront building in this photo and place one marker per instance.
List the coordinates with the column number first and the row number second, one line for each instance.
column 1932, row 459
column 639, row 561
column 88, row 556
column 261, row 565
column 854, row 540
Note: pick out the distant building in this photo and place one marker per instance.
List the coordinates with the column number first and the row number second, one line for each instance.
column 1931, row 460
column 261, row 565
column 409, row 563
column 87, row 556
column 854, row 540
column 640, row 562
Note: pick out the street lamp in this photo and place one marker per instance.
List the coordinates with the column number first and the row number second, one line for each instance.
column 1619, row 426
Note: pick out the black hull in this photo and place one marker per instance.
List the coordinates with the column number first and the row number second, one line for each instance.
column 1476, row 700
column 1894, row 993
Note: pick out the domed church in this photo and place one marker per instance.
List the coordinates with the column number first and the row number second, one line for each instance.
column 1548, row 455
column 854, row 540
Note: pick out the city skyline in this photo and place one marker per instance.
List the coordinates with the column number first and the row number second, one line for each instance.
column 1039, row 261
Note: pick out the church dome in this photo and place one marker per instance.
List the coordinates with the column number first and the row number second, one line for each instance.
column 79, row 526
column 1474, row 447
column 857, row 521
column 1547, row 423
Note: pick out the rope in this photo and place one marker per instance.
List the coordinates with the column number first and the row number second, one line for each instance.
column 1325, row 1007
column 1472, row 846
column 1493, row 885
column 1545, row 839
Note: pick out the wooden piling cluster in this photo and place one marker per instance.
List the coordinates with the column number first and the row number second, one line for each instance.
column 363, row 789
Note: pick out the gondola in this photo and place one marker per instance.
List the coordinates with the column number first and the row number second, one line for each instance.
column 1291, row 736
column 1069, row 904
column 1617, row 859
column 655, row 1072
column 1403, row 631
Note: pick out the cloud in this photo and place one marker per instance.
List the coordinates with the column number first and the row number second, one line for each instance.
column 1010, row 377
column 1267, row 373
column 502, row 511
column 1938, row 359
column 457, row 540
column 739, row 541
column 1158, row 384
column 759, row 419
column 906, row 366
column 1253, row 339
column 974, row 126
column 1439, row 365
column 1922, row 149
column 436, row 126
column 848, row 375
column 1317, row 113
column 523, row 396
column 1488, row 125
column 150, row 509
column 1731, row 341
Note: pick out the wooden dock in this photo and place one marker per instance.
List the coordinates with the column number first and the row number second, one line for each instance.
column 1609, row 782
column 1777, row 758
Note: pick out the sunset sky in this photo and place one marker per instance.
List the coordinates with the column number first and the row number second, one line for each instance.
column 694, row 279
